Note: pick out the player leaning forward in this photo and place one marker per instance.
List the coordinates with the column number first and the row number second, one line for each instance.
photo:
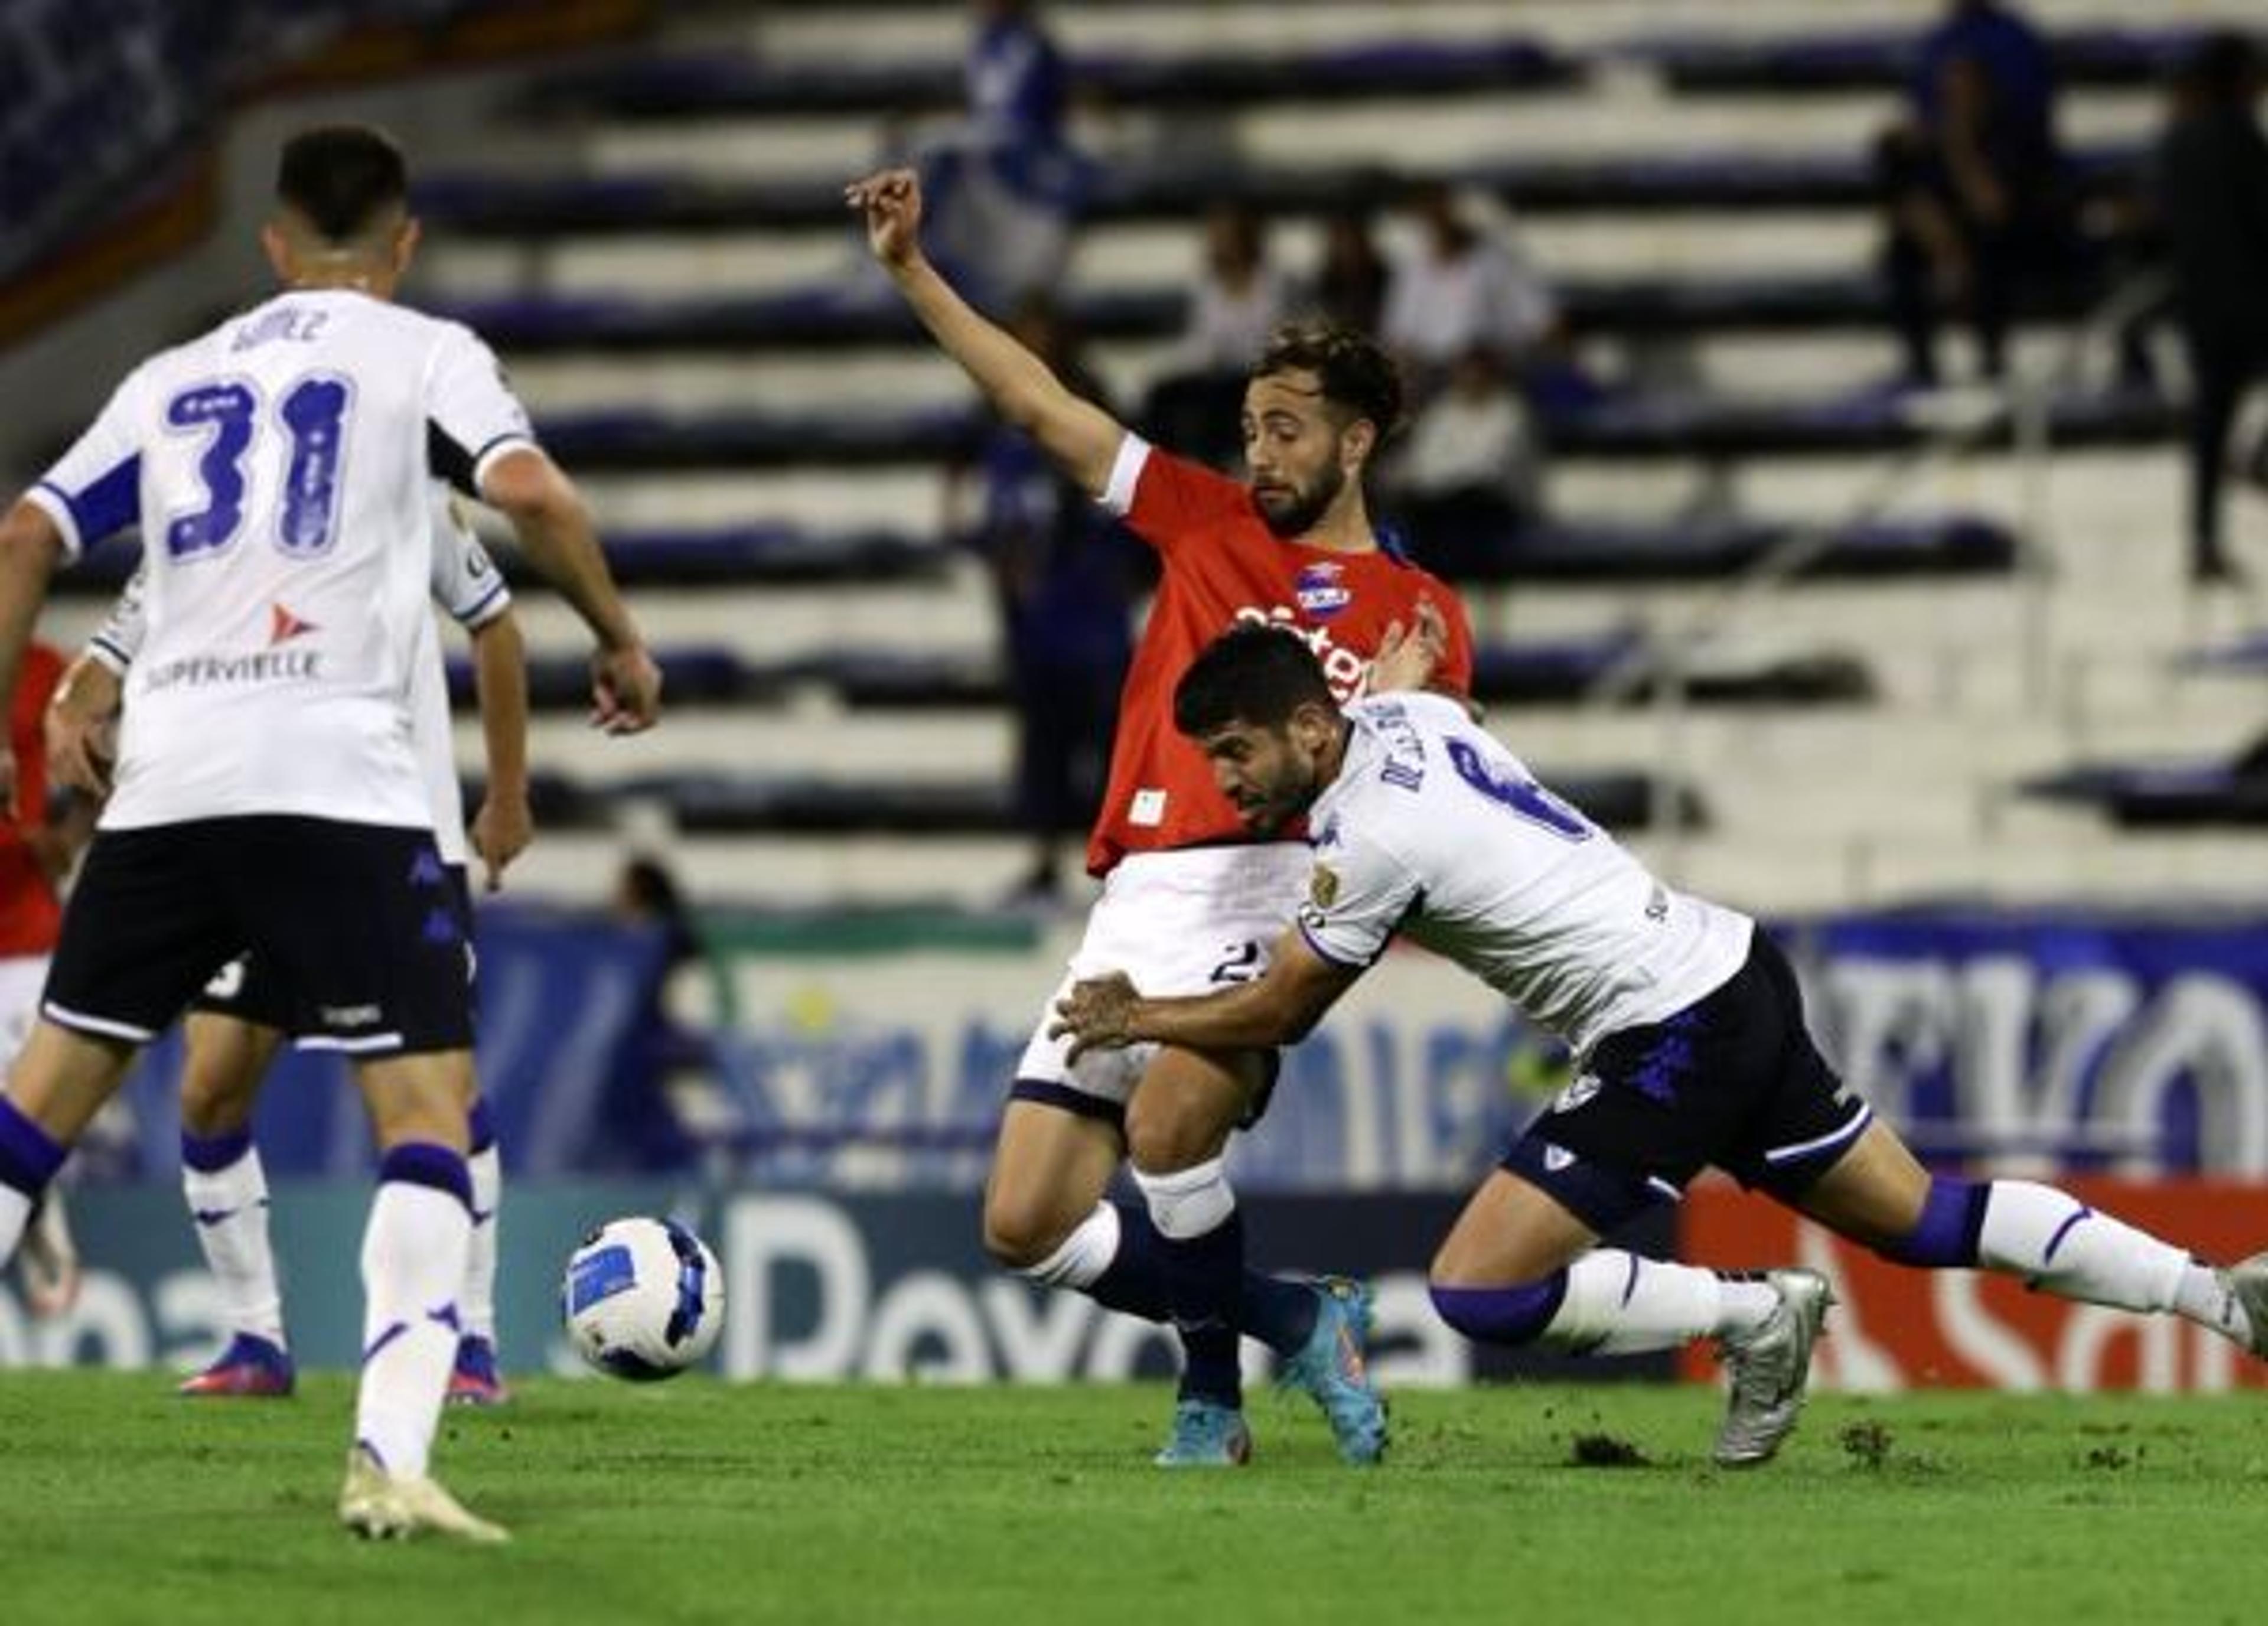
column 267, row 797
column 1188, row 897
column 1688, row 1028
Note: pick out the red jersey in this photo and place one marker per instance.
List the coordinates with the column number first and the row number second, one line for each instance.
column 30, row 914
column 1223, row 565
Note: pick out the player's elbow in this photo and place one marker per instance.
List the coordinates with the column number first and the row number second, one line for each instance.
column 530, row 489
column 30, row 545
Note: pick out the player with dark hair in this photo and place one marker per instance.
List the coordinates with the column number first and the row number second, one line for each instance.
column 1686, row 1021
column 1189, row 894
column 267, row 797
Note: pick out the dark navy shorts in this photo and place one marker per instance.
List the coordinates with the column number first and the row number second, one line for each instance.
column 359, row 925
column 249, row 989
column 1732, row 1081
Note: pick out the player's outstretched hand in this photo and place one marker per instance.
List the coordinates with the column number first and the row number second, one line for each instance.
column 501, row 832
column 625, row 691
column 1408, row 657
column 892, row 203
column 1098, row 1014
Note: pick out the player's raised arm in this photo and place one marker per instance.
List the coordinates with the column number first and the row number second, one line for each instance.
column 1280, row 1008
column 555, row 531
column 1080, row 437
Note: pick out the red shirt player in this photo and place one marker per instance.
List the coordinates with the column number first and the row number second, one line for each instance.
column 1190, row 900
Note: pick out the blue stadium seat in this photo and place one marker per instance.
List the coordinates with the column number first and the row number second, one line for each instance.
column 670, row 85
column 1884, row 60
column 753, row 804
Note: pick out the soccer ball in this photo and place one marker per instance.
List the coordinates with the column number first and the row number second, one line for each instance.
column 643, row 1299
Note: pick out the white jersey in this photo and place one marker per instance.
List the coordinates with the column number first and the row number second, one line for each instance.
column 466, row 585
column 280, row 469
column 1434, row 829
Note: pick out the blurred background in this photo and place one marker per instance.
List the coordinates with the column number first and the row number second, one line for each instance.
column 1837, row 416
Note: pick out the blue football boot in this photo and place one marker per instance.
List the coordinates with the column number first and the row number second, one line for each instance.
column 1206, row 1434
column 1330, row 1370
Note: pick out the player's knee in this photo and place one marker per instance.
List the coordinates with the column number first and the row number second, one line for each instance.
column 213, row 1104
column 1173, row 1138
column 1019, row 1236
column 1516, row 1314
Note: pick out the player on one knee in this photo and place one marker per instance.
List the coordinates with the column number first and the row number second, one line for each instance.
column 1687, row 1029
column 237, row 1023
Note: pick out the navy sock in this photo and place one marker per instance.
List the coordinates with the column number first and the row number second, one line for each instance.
column 1204, row 1284
column 1280, row 1313
column 29, row 1156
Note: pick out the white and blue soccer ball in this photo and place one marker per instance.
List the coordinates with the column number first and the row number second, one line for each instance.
column 643, row 1299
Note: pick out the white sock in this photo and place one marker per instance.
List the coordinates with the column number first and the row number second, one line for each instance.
column 15, row 1214
column 413, row 1267
column 229, row 1207
column 1618, row 1303
column 2060, row 1246
column 478, row 1304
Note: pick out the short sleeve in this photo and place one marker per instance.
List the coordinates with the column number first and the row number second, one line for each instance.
column 1164, row 499
column 94, row 490
column 466, row 581
column 1357, row 895
column 118, row 640
column 471, row 416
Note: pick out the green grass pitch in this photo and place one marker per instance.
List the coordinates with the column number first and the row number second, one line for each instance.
column 698, row 1502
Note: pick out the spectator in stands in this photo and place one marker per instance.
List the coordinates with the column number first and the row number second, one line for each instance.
column 1465, row 286
column 1469, row 472
column 1238, row 300
column 1972, row 184
column 1349, row 285
column 1066, row 579
column 2213, row 204
column 1005, row 184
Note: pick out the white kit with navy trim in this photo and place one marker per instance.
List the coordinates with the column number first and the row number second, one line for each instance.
column 1433, row 829
column 280, row 469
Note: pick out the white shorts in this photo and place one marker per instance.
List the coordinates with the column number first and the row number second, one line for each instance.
column 22, row 977
column 1184, row 922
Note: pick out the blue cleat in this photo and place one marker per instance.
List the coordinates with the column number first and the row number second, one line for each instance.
column 1206, row 1434
column 474, row 1380
column 251, row 1368
column 1330, row 1370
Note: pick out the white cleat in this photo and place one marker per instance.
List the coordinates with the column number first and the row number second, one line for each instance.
column 388, row 1507
column 2246, row 1282
column 1769, row 1369
column 47, row 1259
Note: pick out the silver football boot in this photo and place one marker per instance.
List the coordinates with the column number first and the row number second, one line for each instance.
column 1769, row 1368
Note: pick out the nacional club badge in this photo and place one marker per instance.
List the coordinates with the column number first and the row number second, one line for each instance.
column 1320, row 590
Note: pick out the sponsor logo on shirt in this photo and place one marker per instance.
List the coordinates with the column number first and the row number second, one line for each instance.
column 1148, row 808
column 212, row 670
column 1319, row 590
column 283, row 626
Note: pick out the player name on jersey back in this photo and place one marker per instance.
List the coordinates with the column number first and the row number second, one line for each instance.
column 280, row 469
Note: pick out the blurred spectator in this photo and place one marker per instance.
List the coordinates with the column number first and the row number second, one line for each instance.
column 1972, row 184
column 639, row 1116
column 1066, row 578
column 1350, row 287
column 2212, row 205
column 1238, row 299
column 1465, row 286
column 1469, row 472
column 1005, row 185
